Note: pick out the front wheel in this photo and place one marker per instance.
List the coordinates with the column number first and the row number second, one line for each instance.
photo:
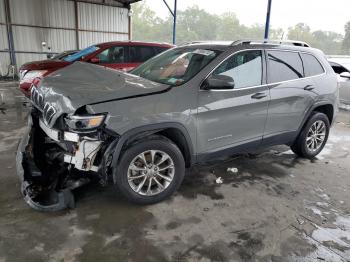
column 313, row 136
column 150, row 171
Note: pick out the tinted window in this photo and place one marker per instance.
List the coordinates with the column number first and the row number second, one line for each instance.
column 112, row 55
column 283, row 66
column 339, row 69
column 159, row 49
column 311, row 65
column 245, row 68
column 139, row 54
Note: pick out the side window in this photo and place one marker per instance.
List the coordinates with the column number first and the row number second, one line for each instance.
column 245, row 68
column 139, row 54
column 112, row 55
column 159, row 49
column 312, row 66
column 283, row 66
column 338, row 69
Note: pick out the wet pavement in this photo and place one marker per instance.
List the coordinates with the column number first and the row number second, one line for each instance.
column 275, row 208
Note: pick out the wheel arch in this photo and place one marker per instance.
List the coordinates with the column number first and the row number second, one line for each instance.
column 324, row 107
column 175, row 132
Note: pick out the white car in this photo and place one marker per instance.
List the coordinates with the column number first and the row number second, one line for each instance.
column 341, row 66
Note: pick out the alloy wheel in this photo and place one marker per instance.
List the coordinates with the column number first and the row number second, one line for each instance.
column 151, row 172
column 316, row 136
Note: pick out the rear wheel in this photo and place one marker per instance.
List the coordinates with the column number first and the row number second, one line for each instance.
column 313, row 136
column 150, row 171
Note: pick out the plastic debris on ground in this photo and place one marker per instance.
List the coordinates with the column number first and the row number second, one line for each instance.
column 219, row 180
column 232, row 170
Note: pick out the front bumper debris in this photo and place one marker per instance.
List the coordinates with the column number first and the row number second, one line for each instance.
column 27, row 171
column 51, row 164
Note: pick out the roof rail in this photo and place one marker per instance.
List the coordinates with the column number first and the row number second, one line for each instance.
column 191, row 42
column 268, row 41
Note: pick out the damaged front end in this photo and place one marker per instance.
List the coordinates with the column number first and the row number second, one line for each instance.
column 53, row 161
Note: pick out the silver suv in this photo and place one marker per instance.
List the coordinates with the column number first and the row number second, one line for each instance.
column 140, row 130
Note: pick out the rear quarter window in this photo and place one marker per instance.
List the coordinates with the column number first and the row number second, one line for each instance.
column 284, row 66
column 140, row 54
column 312, row 66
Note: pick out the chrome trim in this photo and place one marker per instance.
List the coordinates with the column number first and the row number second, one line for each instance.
column 54, row 133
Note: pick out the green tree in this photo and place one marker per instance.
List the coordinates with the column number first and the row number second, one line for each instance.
column 346, row 41
column 301, row 32
column 195, row 24
column 328, row 42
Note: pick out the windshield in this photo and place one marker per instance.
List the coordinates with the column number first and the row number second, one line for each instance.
column 77, row 56
column 176, row 66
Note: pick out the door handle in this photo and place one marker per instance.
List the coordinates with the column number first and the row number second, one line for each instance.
column 258, row 95
column 309, row 87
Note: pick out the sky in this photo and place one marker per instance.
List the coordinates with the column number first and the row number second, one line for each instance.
column 328, row 15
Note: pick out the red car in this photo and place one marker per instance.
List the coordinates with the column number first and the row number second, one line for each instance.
column 118, row 55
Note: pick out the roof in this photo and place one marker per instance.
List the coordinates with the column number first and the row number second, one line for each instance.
column 253, row 43
column 127, row 1
column 134, row 43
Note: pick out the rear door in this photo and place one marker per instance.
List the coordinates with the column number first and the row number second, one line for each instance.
column 230, row 117
column 113, row 57
column 291, row 93
column 139, row 54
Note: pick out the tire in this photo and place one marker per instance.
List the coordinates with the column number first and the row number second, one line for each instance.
column 300, row 146
column 139, row 152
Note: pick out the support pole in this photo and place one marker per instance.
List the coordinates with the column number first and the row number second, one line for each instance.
column 76, row 21
column 267, row 24
column 10, row 33
column 174, row 14
column 174, row 23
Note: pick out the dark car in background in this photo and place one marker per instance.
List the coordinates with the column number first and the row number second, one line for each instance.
column 341, row 66
column 117, row 55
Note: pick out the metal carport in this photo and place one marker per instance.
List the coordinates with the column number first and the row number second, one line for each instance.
column 61, row 24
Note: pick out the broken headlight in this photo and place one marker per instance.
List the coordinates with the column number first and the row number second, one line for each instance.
column 85, row 122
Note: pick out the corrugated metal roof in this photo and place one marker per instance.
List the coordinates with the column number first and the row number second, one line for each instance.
column 2, row 12
column 127, row 1
column 3, row 38
column 43, row 13
column 30, row 39
column 103, row 18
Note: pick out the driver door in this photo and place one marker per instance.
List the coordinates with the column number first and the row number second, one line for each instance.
column 236, row 116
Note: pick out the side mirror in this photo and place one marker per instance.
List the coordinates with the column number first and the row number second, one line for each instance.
column 49, row 56
column 95, row 60
column 345, row 75
column 218, row 82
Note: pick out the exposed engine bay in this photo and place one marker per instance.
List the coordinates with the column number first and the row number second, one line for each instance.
column 53, row 162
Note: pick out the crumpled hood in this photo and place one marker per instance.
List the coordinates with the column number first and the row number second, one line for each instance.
column 82, row 83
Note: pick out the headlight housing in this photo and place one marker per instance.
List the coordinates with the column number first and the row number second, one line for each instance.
column 33, row 74
column 85, row 122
